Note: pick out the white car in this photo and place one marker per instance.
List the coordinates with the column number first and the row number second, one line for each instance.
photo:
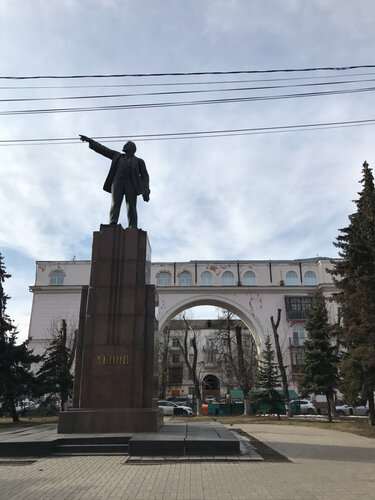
column 170, row 408
column 306, row 406
column 344, row 410
column 361, row 410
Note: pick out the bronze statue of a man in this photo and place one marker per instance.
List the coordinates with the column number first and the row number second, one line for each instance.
column 127, row 177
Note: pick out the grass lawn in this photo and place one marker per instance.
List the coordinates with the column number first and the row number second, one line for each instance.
column 6, row 423
column 358, row 426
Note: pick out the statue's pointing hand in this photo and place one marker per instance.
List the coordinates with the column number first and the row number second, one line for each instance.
column 84, row 138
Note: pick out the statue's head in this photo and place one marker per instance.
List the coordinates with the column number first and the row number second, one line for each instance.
column 129, row 147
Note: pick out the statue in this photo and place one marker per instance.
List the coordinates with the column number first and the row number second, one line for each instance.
column 127, row 177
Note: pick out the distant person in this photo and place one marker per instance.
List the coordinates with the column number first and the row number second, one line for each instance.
column 127, row 177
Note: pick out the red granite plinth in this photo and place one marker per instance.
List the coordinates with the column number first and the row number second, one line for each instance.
column 116, row 379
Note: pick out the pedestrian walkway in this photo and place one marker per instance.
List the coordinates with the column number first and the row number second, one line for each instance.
column 325, row 465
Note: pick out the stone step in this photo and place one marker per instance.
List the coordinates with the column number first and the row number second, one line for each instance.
column 92, row 449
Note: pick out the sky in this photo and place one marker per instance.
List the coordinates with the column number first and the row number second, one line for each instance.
column 251, row 196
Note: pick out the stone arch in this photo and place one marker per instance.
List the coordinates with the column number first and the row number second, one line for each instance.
column 224, row 302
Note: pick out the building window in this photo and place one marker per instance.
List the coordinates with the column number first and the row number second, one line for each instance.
column 206, row 278
column 191, row 358
column 175, row 358
column 175, row 343
column 249, row 278
column 56, row 278
column 298, row 335
column 227, row 278
column 192, row 390
column 298, row 307
column 298, row 357
column 164, row 279
column 309, row 278
column 175, row 375
column 291, row 278
column 185, row 279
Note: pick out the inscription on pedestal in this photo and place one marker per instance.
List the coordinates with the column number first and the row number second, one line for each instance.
column 105, row 359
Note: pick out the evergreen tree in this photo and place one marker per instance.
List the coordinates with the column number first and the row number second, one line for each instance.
column 319, row 371
column 268, row 381
column 16, row 379
column 354, row 276
column 54, row 376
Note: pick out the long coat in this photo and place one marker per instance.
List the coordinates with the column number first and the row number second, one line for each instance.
column 140, row 175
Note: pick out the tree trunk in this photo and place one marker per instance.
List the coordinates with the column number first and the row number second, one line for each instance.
column 371, row 408
column 284, row 380
column 329, row 405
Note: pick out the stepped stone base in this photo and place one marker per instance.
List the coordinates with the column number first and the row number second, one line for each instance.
column 109, row 420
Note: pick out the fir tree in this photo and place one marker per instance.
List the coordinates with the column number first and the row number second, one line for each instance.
column 16, row 379
column 54, row 375
column 354, row 276
column 319, row 370
column 268, row 381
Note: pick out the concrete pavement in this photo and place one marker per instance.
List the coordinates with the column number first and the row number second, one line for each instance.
column 325, row 465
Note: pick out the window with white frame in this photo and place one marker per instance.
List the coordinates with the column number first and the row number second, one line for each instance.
column 227, row 278
column 298, row 335
column 56, row 278
column 249, row 278
column 309, row 278
column 175, row 343
column 164, row 279
column 291, row 278
column 185, row 279
column 206, row 278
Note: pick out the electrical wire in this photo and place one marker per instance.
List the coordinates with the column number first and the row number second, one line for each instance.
column 185, row 103
column 193, row 73
column 169, row 84
column 179, row 92
column 192, row 135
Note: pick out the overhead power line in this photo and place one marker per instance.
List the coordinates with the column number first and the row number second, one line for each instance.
column 191, row 73
column 192, row 135
column 180, row 92
column 186, row 103
column 178, row 84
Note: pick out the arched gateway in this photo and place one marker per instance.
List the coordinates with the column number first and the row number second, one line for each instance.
column 171, row 304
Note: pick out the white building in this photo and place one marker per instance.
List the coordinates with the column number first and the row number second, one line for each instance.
column 253, row 290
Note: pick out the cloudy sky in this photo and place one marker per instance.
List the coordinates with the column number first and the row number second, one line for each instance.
column 250, row 196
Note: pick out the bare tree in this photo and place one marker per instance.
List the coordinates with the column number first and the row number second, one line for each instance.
column 190, row 343
column 163, row 361
column 284, row 380
column 238, row 355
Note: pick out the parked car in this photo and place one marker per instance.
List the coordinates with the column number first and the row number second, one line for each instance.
column 361, row 410
column 180, row 401
column 210, row 399
column 170, row 408
column 306, row 406
column 343, row 409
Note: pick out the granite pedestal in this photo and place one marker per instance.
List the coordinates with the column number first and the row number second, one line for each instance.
column 116, row 376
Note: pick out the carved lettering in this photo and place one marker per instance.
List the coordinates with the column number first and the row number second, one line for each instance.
column 112, row 359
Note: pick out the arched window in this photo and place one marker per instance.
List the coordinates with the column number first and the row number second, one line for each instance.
column 249, row 278
column 299, row 335
column 309, row 278
column 56, row 278
column 164, row 279
column 291, row 278
column 206, row 278
column 185, row 279
column 227, row 278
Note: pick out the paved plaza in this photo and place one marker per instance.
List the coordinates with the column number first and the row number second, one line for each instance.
column 324, row 464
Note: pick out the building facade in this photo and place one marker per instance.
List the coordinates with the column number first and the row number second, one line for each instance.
column 252, row 290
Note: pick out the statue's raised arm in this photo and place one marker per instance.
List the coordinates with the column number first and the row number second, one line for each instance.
column 127, row 177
